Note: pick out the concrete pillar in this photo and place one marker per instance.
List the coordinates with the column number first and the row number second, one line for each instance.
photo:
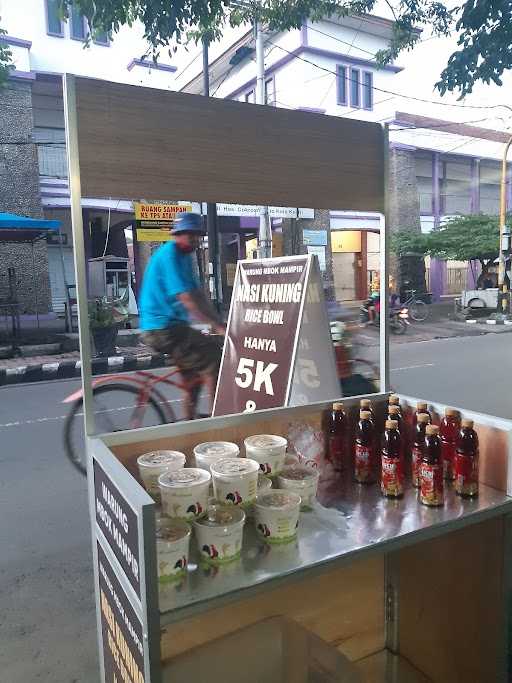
column 404, row 214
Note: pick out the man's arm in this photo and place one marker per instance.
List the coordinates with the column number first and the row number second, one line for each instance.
column 200, row 308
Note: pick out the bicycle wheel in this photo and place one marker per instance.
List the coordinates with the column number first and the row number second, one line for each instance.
column 115, row 410
column 418, row 310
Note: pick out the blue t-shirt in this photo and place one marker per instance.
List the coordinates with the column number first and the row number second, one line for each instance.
column 169, row 272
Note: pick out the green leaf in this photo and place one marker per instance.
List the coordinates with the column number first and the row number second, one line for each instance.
column 6, row 63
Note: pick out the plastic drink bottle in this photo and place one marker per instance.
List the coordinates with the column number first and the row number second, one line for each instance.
column 450, row 428
column 336, row 441
column 466, row 461
column 392, row 466
column 418, row 448
column 421, row 409
column 431, row 473
column 364, row 455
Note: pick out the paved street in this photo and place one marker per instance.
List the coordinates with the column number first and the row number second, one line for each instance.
column 48, row 626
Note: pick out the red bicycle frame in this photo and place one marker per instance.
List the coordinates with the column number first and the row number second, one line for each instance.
column 145, row 381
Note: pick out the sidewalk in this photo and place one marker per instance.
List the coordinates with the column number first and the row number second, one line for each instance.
column 137, row 356
column 68, row 365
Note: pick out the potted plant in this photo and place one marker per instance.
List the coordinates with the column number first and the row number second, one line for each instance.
column 104, row 319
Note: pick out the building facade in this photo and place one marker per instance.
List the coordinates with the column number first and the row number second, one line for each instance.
column 33, row 163
column 438, row 168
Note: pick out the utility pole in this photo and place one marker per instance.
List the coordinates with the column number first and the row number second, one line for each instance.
column 505, row 243
column 214, row 282
column 265, row 232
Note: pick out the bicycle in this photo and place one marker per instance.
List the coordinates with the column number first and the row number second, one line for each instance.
column 418, row 309
column 149, row 408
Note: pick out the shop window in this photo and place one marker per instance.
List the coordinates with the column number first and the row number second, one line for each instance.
column 341, row 84
column 355, row 88
column 367, row 87
column 270, row 91
column 54, row 24
column 102, row 38
column 78, row 27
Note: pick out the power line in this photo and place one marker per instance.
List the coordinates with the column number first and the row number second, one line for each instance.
column 189, row 64
column 397, row 94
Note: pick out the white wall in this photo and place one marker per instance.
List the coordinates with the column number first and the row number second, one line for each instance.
column 26, row 19
column 309, row 80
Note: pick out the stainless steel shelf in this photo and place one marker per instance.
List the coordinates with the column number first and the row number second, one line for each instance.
column 352, row 521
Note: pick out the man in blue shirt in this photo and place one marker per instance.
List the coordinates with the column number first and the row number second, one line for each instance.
column 170, row 297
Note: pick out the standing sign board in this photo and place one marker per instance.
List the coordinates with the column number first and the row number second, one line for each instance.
column 154, row 221
column 121, row 628
column 125, row 572
column 270, row 303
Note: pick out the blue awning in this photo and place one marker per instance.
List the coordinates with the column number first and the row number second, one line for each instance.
column 15, row 228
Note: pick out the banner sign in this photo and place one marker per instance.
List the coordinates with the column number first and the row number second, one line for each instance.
column 314, row 238
column 118, row 523
column 154, row 221
column 252, row 210
column 278, row 349
column 121, row 628
column 315, row 376
column 265, row 314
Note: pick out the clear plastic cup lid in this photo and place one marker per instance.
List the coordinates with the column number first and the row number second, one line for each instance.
column 265, row 441
column 172, row 531
column 221, row 516
column 298, row 473
column 264, row 483
column 233, row 467
column 161, row 458
column 217, row 449
column 278, row 500
column 184, row 478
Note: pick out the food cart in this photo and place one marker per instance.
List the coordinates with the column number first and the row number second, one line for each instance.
column 373, row 589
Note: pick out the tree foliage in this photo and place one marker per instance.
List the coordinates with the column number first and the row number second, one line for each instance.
column 5, row 58
column 462, row 238
column 484, row 26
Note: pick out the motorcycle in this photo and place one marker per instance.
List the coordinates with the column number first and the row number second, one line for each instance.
column 398, row 316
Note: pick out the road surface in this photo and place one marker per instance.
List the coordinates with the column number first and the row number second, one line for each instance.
column 47, row 629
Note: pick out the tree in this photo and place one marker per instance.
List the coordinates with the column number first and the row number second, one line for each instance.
column 463, row 238
column 5, row 59
column 484, row 26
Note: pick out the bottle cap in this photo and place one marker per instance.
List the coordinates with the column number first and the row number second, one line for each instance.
column 468, row 424
column 337, row 406
column 394, row 410
column 421, row 405
column 432, row 430
column 423, row 417
column 391, row 424
column 365, row 403
column 451, row 412
column 394, row 399
column 365, row 414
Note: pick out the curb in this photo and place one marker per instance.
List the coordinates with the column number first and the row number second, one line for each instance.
column 68, row 369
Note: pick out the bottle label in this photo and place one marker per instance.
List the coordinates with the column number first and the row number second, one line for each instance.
column 392, row 476
column 466, row 475
column 335, row 452
column 448, row 449
column 363, row 463
column 431, row 484
column 416, row 457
